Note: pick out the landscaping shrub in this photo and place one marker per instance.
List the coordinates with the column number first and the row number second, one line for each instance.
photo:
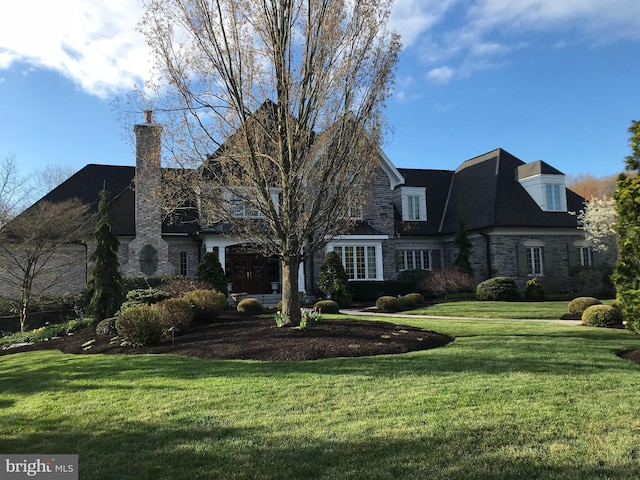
column 249, row 305
column 210, row 271
column 498, row 289
column 445, row 281
column 388, row 303
column 207, row 304
column 107, row 327
column 578, row 305
column 327, row 306
column 602, row 316
column 333, row 281
column 534, row 289
column 175, row 312
column 180, row 286
column 412, row 300
column 369, row 291
column 139, row 325
column 146, row 296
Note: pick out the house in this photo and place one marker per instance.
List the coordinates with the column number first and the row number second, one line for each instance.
column 520, row 218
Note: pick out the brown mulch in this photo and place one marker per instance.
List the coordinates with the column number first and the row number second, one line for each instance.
column 236, row 336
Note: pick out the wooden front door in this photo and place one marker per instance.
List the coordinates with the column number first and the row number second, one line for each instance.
column 249, row 273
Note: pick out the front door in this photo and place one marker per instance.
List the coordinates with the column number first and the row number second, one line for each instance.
column 249, row 273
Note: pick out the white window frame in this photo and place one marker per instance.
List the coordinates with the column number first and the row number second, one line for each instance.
column 370, row 267
column 585, row 256
column 412, row 203
column 554, row 200
column 415, row 259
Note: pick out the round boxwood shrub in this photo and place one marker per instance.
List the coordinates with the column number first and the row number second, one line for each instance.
column 139, row 325
column 387, row 303
column 207, row 304
column 327, row 306
column 175, row 312
column 498, row 289
column 144, row 296
column 578, row 305
column 107, row 327
column 412, row 300
column 249, row 305
column 602, row 316
column 534, row 289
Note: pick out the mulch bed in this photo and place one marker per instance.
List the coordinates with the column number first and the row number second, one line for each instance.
column 236, row 336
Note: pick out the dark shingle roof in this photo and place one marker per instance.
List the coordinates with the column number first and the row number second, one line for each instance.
column 484, row 192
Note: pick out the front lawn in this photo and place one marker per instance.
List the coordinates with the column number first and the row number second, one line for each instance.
column 515, row 310
column 505, row 400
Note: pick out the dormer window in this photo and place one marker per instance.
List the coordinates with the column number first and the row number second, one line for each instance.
column 545, row 185
column 412, row 203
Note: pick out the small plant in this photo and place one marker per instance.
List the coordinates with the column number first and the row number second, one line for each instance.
column 534, row 289
column 279, row 318
column 578, row 305
column 327, row 306
column 503, row 289
column 308, row 317
column 249, row 305
column 139, row 325
column 388, row 303
column 175, row 312
column 207, row 304
column 602, row 316
column 445, row 281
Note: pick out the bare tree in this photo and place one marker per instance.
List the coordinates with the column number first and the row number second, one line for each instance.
column 12, row 189
column 48, row 178
column 32, row 248
column 275, row 109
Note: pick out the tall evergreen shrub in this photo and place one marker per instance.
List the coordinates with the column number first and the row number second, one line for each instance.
column 333, row 280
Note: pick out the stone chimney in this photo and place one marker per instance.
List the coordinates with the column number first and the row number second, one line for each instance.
column 148, row 251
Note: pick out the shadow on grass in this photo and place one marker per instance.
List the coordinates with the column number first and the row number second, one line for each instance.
column 206, row 450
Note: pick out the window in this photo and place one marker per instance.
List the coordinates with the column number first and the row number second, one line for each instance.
column 360, row 262
column 535, row 261
column 413, row 207
column 242, row 210
column 415, row 260
column 183, row 264
column 553, row 197
column 585, row 256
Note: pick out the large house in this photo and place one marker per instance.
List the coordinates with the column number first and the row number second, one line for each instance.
column 520, row 218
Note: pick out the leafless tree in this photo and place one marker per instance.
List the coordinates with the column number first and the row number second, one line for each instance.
column 32, row 248
column 48, row 178
column 274, row 108
column 12, row 189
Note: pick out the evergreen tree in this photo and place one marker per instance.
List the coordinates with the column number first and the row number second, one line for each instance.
column 104, row 287
column 333, row 280
column 464, row 247
column 210, row 270
column 626, row 277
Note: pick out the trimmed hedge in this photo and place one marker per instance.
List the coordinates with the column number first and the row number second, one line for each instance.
column 388, row 303
column 578, row 305
column 502, row 289
column 250, row 305
column 602, row 316
column 139, row 325
column 207, row 304
column 327, row 306
column 107, row 327
column 175, row 312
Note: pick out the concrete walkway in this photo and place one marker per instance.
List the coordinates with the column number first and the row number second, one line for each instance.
column 373, row 312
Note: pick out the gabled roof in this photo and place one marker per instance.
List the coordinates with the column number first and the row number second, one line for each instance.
column 484, row 192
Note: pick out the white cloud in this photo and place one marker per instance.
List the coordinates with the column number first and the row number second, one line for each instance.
column 412, row 18
column 93, row 43
column 440, row 75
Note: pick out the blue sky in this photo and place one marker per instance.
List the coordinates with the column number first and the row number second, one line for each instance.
column 556, row 80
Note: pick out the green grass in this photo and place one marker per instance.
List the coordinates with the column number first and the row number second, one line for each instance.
column 505, row 400
column 514, row 310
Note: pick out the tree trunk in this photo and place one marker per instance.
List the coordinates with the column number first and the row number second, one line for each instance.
column 290, row 297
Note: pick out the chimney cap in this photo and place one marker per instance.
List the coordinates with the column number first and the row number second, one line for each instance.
column 147, row 116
